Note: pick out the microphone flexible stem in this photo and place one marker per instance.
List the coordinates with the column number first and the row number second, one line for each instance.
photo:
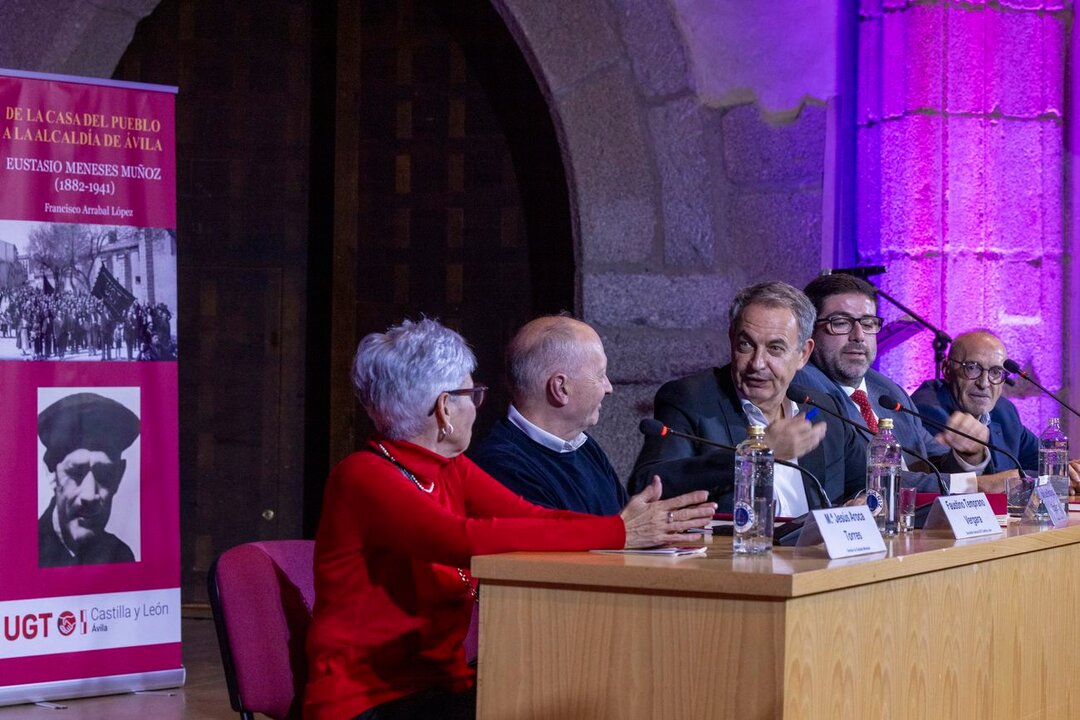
column 943, row 426
column 870, row 434
column 705, row 441
column 1059, row 401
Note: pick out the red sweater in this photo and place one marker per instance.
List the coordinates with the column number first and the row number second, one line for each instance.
column 391, row 610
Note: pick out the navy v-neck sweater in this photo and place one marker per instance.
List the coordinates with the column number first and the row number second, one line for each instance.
column 582, row 480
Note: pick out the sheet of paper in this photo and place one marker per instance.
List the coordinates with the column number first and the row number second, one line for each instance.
column 665, row 551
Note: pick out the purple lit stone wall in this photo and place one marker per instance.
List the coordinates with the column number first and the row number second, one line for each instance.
column 961, row 177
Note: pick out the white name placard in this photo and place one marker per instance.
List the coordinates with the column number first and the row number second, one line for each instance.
column 967, row 516
column 846, row 531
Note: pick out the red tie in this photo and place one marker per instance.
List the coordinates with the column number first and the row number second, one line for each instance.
column 860, row 399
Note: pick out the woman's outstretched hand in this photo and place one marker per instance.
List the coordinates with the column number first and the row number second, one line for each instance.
column 651, row 521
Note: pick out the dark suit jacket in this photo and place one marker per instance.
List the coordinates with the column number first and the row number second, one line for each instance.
column 106, row 548
column 935, row 401
column 707, row 405
column 907, row 428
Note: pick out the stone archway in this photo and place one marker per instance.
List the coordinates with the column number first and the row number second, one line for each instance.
column 70, row 36
column 679, row 197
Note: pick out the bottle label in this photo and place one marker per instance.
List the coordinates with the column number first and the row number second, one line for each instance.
column 743, row 517
column 874, row 501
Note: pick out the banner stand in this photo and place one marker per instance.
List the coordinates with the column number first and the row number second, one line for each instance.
column 90, row 602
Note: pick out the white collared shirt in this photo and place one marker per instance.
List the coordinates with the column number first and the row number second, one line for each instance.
column 788, row 486
column 542, row 436
column 962, row 483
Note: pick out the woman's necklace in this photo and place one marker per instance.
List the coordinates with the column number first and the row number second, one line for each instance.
column 465, row 577
column 404, row 470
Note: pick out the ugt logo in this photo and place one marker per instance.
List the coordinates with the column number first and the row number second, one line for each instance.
column 27, row 626
column 66, row 623
column 33, row 625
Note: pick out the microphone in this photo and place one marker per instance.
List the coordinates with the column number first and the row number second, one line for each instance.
column 863, row 272
column 652, row 427
column 800, row 395
column 891, row 402
column 1015, row 369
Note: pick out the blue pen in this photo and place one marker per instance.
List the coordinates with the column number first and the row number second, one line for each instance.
column 811, row 413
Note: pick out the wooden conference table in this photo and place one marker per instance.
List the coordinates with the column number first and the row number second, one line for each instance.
column 937, row 628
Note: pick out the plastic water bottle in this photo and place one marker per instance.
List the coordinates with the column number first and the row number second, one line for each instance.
column 883, row 458
column 1054, row 460
column 753, row 501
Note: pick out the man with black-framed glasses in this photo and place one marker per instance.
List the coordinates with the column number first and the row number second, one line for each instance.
column 845, row 345
column 969, row 399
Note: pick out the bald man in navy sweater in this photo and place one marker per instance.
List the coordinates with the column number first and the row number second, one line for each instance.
column 557, row 372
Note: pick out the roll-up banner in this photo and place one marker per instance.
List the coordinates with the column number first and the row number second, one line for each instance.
column 89, row 520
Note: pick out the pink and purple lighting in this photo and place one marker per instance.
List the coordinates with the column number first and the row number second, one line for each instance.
column 961, row 112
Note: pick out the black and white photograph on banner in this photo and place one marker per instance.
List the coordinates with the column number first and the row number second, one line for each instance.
column 87, row 292
column 88, row 454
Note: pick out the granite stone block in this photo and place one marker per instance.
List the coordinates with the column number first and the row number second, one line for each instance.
column 644, row 355
column 681, row 158
column 1026, row 301
column 610, row 173
column 966, row 49
column 915, row 281
column 1027, row 50
column 659, row 56
column 1015, row 186
column 757, row 152
column 964, row 299
column 924, row 57
column 965, row 184
column 656, row 301
column 1054, row 53
column 868, row 188
column 911, row 184
column 777, row 236
column 893, row 71
column 1053, row 185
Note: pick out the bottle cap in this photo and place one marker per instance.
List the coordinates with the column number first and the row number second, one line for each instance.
column 756, row 429
column 885, row 423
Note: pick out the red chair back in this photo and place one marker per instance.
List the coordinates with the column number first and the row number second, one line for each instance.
column 262, row 594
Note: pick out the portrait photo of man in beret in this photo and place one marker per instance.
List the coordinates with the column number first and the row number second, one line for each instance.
column 85, row 435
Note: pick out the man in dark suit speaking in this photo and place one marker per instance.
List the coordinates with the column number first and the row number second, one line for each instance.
column 84, row 435
column 769, row 328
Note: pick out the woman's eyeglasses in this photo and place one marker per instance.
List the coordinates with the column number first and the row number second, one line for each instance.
column 476, row 392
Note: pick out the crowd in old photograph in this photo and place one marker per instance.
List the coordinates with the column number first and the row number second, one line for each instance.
column 75, row 324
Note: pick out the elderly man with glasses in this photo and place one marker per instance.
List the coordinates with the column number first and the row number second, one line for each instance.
column 845, row 345
column 969, row 399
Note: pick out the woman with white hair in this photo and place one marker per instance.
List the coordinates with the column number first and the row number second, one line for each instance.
column 401, row 520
